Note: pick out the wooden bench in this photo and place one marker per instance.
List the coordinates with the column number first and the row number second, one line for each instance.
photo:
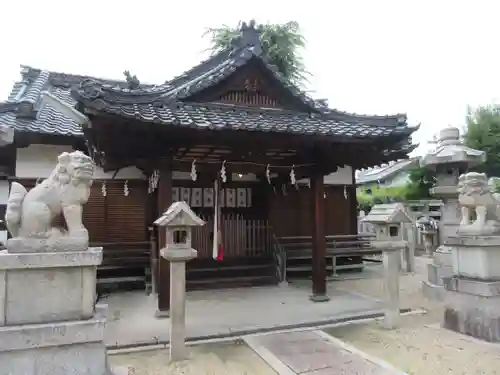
column 298, row 249
column 125, row 263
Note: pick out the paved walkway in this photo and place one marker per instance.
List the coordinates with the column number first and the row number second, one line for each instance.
column 131, row 316
column 315, row 353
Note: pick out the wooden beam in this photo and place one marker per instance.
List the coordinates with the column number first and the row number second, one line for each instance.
column 164, row 201
column 319, row 240
column 353, row 205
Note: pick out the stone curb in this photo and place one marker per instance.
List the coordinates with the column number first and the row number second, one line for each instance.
column 244, row 332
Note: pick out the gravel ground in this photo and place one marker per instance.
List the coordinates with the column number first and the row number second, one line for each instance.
column 419, row 346
column 209, row 359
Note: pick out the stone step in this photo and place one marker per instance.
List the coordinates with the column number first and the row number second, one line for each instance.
column 315, row 352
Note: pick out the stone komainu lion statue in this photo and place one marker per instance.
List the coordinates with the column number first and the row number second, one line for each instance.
column 476, row 193
column 29, row 215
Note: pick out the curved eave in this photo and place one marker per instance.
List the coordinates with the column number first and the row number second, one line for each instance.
column 219, row 117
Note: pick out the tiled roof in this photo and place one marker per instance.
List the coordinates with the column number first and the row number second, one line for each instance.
column 164, row 103
column 22, row 111
column 226, row 116
column 44, row 120
column 382, row 172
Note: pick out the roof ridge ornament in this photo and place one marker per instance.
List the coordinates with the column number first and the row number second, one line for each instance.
column 88, row 89
column 249, row 36
column 132, row 80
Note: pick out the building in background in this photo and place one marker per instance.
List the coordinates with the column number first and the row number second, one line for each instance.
column 394, row 174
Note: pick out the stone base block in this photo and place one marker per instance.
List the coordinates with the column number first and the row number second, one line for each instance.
column 63, row 348
column 435, row 273
column 47, row 287
column 78, row 359
column 432, row 291
column 442, row 256
column 59, row 243
column 472, row 307
column 476, row 257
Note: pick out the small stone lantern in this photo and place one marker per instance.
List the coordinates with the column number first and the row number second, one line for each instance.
column 428, row 228
column 179, row 220
column 388, row 221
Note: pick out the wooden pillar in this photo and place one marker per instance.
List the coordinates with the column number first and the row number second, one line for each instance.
column 164, row 194
column 353, row 205
column 318, row 239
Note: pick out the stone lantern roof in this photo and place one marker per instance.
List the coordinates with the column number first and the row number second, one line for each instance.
column 451, row 150
column 393, row 213
column 179, row 214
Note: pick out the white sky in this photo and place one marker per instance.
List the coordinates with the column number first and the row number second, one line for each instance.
column 427, row 58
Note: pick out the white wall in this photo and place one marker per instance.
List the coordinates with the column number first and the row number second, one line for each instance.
column 343, row 176
column 37, row 161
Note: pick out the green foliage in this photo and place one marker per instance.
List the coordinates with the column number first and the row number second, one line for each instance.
column 421, row 180
column 483, row 133
column 281, row 43
column 379, row 195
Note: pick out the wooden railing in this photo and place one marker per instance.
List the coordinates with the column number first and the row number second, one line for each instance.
column 241, row 237
column 347, row 243
column 337, row 246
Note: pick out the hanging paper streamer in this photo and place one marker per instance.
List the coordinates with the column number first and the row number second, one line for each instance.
column 217, row 248
column 153, row 181
column 126, row 190
column 103, row 189
column 293, row 181
column 283, row 189
column 268, row 173
column 345, row 192
column 193, row 171
column 223, row 175
column 156, row 178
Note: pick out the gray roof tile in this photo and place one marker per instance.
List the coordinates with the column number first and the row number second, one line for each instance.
column 163, row 103
column 223, row 116
column 382, row 172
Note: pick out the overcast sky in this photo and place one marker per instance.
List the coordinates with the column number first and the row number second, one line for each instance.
column 427, row 58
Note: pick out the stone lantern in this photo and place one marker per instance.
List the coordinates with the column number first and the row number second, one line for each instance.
column 428, row 228
column 388, row 221
column 450, row 159
column 179, row 220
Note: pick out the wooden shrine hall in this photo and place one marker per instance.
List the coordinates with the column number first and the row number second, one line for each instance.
column 235, row 120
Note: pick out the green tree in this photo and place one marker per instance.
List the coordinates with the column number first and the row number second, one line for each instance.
column 420, row 181
column 282, row 44
column 483, row 133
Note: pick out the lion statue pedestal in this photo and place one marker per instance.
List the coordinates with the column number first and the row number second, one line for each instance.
column 472, row 294
column 48, row 318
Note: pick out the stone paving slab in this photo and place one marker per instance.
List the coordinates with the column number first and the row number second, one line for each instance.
column 311, row 353
column 132, row 321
